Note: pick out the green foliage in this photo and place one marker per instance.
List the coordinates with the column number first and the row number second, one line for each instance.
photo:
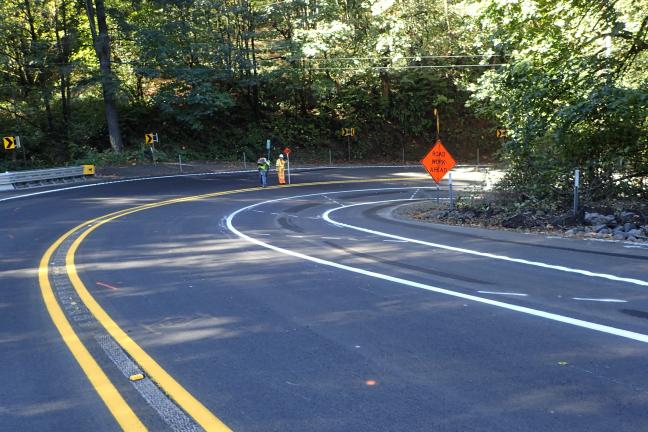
column 573, row 96
column 215, row 79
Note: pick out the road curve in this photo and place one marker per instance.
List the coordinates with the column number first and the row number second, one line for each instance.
column 310, row 308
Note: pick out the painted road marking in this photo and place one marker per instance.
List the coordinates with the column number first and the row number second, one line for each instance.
column 637, row 246
column 503, row 293
column 168, row 411
column 111, row 397
column 205, row 418
column 608, row 300
column 326, row 217
column 526, row 310
column 76, row 346
column 216, row 173
column 105, row 285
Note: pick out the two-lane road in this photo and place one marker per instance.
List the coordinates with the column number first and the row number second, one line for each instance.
column 313, row 308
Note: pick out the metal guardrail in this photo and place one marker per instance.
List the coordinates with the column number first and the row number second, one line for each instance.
column 27, row 179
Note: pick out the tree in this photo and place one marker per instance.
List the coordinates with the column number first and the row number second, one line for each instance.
column 573, row 95
column 96, row 11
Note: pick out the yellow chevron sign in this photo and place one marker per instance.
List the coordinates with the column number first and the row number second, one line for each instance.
column 148, row 138
column 348, row 131
column 9, row 143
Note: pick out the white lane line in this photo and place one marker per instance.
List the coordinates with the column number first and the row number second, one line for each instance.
column 503, row 293
column 258, row 211
column 606, row 300
column 332, row 238
column 326, row 217
column 526, row 310
column 296, row 236
column 414, row 194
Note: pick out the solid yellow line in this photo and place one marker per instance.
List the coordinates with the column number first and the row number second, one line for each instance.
column 102, row 385
column 179, row 394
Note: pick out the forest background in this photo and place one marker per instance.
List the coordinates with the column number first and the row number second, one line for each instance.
column 84, row 80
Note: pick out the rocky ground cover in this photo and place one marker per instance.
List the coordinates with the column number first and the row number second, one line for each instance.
column 619, row 222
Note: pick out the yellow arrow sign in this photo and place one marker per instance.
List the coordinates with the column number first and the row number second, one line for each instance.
column 148, row 138
column 501, row 133
column 348, row 131
column 9, row 143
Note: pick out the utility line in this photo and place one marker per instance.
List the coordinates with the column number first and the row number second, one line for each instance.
column 410, row 67
column 400, row 58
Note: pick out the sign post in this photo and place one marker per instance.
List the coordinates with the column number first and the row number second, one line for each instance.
column 348, row 132
column 438, row 162
column 450, row 190
column 268, row 143
column 576, row 186
column 150, row 139
column 287, row 153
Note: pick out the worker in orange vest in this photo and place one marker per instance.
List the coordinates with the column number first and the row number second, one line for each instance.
column 281, row 169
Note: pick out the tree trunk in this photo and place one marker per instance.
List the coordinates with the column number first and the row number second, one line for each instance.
column 42, row 77
column 101, row 43
column 62, row 44
column 255, row 84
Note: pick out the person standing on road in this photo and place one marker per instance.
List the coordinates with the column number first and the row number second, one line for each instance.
column 281, row 169
column 263, row 166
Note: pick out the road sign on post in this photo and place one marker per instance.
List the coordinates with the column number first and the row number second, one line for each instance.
column 150, row 139
column 438, row 161
column 348, row 132
column 9, row 143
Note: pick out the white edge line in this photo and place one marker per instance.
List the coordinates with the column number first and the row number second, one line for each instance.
column 529, row 311
column 136, row 179
column 326, row 217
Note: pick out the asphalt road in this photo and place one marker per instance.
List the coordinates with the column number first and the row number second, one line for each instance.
column 310, row 308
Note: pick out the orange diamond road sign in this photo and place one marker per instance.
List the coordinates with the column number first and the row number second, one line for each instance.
column 438, row 161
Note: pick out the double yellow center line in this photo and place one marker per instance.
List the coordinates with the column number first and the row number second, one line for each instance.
column 122, row 412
